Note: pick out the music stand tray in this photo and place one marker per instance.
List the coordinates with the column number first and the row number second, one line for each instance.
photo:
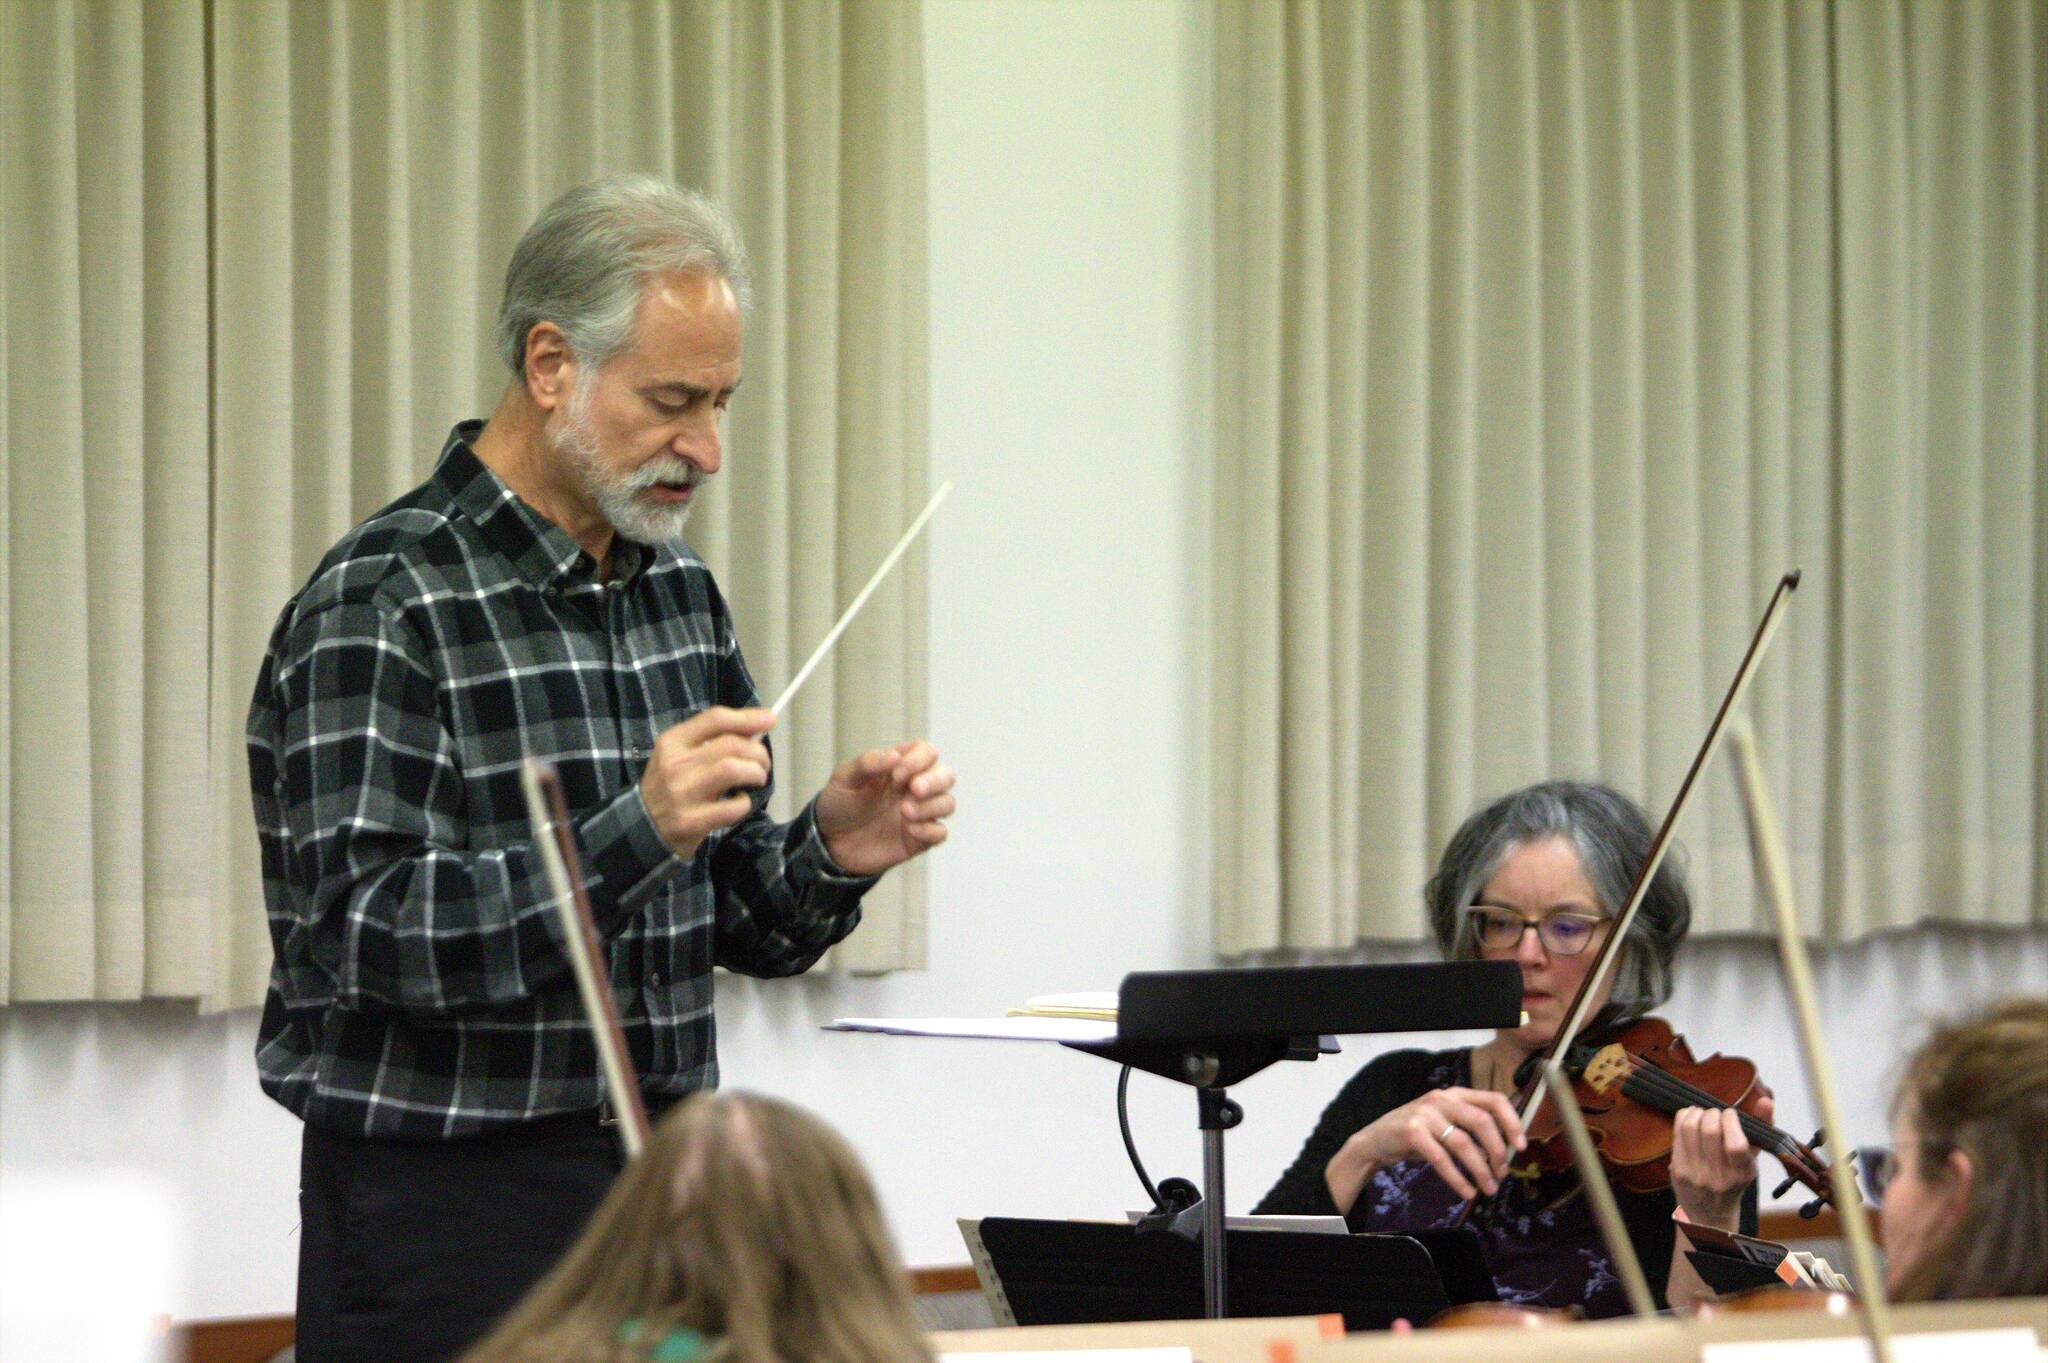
column 1087, row 1272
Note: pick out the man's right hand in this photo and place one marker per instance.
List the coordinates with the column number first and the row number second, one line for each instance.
column 698, row 766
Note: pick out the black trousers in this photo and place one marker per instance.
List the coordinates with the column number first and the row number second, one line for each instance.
column 409, row 1251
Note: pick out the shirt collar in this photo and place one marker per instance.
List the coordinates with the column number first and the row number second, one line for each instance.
column 537, row 548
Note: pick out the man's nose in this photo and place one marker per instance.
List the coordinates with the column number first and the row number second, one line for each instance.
column 703, row 444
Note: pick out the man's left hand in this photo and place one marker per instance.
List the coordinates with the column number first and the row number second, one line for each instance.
column 886, row 806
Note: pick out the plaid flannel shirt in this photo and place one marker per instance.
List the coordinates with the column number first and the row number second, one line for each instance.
column 421, row 986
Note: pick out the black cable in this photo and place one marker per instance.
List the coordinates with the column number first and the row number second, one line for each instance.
column 1123, row 1120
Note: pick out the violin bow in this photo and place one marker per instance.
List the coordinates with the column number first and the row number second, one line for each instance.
column 1610, row 950
column 1767, row 847
column 555, row 836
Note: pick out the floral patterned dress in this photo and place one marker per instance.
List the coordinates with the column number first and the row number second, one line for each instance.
column 1540, row 1241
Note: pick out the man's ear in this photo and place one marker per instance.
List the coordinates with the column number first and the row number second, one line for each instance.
column 550, row 371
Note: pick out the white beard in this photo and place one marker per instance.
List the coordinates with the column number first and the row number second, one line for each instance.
column 621, row 496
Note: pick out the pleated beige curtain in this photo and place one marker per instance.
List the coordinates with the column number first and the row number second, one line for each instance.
column 106, row 881
column 1548, row 336
column 371, row 167
column 1939, row 790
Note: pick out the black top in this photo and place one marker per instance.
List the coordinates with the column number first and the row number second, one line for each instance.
column 1542, row 1244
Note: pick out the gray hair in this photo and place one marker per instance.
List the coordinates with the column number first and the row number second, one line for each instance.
column 584, row 261
column 1612, row 837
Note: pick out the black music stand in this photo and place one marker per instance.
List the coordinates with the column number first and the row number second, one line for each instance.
column 1084, row 1272
column 1215, row 1028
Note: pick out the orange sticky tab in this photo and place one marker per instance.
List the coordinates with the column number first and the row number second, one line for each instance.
column 1331, row 1324
column 1279, row 1351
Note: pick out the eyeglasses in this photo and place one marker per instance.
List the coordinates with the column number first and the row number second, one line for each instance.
column 1878, row 1165
column 1562, row 933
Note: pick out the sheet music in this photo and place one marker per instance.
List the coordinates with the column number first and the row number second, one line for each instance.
column 2010, row 1345
column 985, row 1269
column 1300, row 1225
column 1099, row 1004
column 1076, row 1355
column 983, row 1029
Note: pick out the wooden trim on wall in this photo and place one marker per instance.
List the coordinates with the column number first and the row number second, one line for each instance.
column 257, row 1339
column 243, row 1339
column 928, row 1282
column 1789, row 1227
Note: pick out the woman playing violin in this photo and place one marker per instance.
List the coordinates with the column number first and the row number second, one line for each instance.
column 1534, row 877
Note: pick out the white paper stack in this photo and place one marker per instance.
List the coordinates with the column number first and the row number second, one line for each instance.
column 87, row 1266
column 2015, row 1345
column 1099, row 1005
column 984, row 1029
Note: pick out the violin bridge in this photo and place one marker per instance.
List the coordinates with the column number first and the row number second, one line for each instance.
column 1609, row 1066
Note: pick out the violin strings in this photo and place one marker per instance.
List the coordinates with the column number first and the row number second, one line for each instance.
column 1655, row 1081
column 1654, row 1085
column 1660, row 1081
column 1666, row 1084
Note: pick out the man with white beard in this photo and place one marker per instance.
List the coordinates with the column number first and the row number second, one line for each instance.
column 534, row 596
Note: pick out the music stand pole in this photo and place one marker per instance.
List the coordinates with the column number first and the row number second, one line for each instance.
column 1218, row 1115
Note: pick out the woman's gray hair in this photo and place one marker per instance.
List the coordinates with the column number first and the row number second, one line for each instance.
column 1612, row 836
column 585, row 259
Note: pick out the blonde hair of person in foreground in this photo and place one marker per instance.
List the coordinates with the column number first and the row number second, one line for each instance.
column 747, row 1231
column 1966, row 1195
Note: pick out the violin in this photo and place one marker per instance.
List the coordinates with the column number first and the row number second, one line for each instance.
column 1631, row 1086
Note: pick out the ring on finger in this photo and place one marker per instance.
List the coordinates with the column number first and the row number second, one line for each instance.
column 1445, row 1134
